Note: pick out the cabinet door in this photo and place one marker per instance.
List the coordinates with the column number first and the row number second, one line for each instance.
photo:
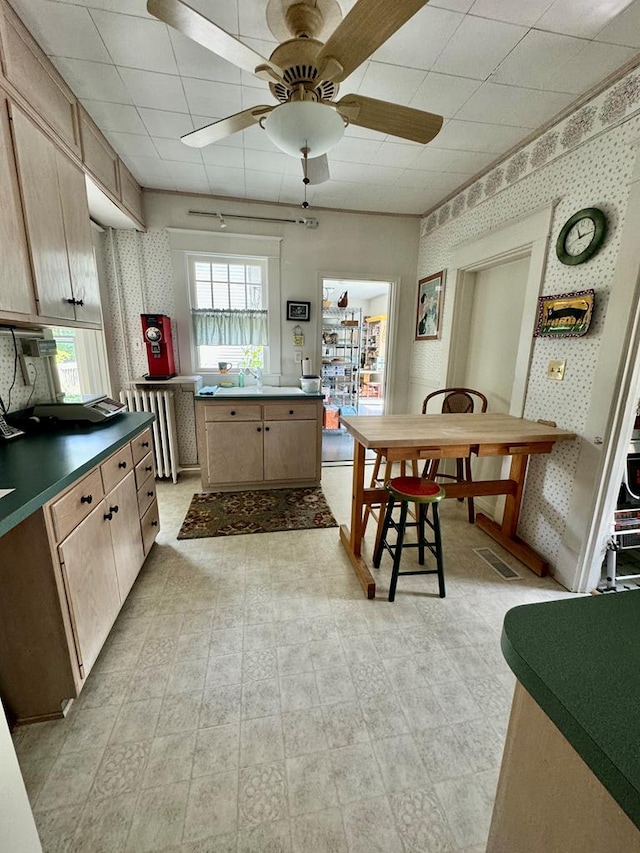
column 122, row 503
column 37, row 169
column 234, row 452
column 77, row 231
column 16, row 286
column 92, row 586
column 290, row 450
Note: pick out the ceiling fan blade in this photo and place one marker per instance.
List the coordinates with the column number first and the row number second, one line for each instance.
column 317, row 169
column 225, row 127
column 405, row 122
column 367, row 26
column 195, row 26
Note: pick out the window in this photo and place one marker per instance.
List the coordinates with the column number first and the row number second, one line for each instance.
column 81, row 361
column 228, row 310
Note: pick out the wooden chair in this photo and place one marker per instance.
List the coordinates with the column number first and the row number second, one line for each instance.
column 455, row 401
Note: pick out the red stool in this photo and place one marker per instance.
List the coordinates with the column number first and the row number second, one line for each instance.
column 425, row 494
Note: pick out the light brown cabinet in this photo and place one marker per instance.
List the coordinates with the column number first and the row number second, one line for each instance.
column 248, row 445
column 99, row 158
column 58, row 228
column 66, row 572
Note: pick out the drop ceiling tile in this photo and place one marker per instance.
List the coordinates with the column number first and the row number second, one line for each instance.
column 226, row 181
column 218, row 99
column 395, row 154
column 353, row 131
column 442, row 182
column 478, row 136
column 512, row 105
column 443, row 94
column 63, row 30
column 458, row 162
column 152, row 166
column 525, row 14
column 136, row 43
column 157, row 91
column 351, row 84
column 224, row 13
column 478, row 47
column 187, row 172
column 133, row 144
column 118, row 117
column 252, row 97
column 173, row 149
column 385, row 176
column 153, row 182
column 253, row 20
column 624, row 29
column 267, row 161
column 594, row 63
column 537, row 59
column 453, row 5
column 263, row 182
column 352, row 150
column 256, row 139
column 165, row 124
column 93, row 80
column 577, row 18
column 419, row 42
column 391, row 83
column 193, row 60
column 125, row 7
column 223, row 155
column 344, row 172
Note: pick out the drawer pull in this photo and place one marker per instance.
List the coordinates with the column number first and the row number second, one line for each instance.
column 122, row 464
column 114, row 508
column 259, row 429
column 149, row 468
column 232, row 413
column 290, row 411
column 149, row 494
column 154, row 523
column 144, row 444
column 266, row 429
column 86, row 499
column 108, row 516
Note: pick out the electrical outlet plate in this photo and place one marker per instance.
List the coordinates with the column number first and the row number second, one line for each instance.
column 555, row 369
column 297, row 355
column 28, row 369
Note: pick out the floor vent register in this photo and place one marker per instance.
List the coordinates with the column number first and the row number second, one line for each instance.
column 497, row 564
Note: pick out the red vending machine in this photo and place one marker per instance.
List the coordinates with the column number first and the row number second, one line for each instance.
column 157, row 336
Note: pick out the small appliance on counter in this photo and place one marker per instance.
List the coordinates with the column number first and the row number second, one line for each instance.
column 157, row 337
column 309, row 382
column 74, row 409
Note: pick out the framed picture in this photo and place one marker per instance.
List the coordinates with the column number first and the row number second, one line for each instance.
column 299, row 311
column 565, row 315
column 429, row 310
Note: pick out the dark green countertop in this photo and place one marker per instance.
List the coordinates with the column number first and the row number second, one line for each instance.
column 38, row 467
column 580, row 661
column 268, row 393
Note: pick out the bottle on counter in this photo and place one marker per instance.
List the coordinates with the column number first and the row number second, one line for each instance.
column 241, row 378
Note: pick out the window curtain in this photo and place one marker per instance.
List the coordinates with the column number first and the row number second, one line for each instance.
column 234, row 328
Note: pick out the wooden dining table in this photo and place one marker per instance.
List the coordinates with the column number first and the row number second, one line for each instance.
column 448, row 436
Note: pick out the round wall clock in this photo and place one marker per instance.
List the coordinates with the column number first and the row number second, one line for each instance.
column 581, row 236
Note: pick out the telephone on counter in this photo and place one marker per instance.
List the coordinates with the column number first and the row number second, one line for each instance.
column 7, row 431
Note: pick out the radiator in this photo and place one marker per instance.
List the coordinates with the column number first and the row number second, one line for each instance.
column 165, row 436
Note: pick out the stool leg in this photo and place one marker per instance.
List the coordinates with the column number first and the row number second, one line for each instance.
column 438, row 543
column 377, row 554
column 470, row 506
column 422, row 510
column 397, row 556
column 374, row 477
column 460, row 473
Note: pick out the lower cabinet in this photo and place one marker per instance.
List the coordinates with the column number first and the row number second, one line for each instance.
column 248, row 445
column 66, row 572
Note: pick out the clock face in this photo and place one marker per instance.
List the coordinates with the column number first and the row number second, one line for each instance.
column 153, row 334
column 581, row 236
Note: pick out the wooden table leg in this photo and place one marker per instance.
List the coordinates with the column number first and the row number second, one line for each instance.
column 352, row 539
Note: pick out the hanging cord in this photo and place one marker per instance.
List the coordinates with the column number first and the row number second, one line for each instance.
column 35, row 379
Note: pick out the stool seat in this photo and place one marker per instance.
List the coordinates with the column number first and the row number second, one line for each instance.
column 415, row 489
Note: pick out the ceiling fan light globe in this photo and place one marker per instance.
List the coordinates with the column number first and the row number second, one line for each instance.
column 304, row 124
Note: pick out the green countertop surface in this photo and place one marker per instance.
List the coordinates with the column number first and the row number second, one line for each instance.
column 579, row 659
column 40, row 466
column 267, row 392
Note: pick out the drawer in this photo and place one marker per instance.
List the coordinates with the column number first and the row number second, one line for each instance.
column 146, row 496
column 150, row 525
column 290, row 412
column 69, row 510
column 141, row 445
column 144, row 469
column 116, row 467
column 231, row 412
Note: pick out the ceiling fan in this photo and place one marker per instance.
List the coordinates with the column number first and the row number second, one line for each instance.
column 304, row 74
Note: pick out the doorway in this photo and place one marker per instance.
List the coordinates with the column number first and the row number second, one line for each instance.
column 354, row 357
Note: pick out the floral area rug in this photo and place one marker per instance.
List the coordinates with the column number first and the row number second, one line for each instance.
column 259, row 511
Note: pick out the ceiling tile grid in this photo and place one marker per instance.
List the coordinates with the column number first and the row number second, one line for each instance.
column 496, row 70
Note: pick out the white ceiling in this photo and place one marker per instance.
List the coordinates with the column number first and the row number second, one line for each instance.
column 496, row 69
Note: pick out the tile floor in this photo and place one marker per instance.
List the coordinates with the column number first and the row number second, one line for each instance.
column 250, row 700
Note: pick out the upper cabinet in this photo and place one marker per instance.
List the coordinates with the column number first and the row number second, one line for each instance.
column 16, row 293
column 28, row 69
column 99, row 158
column 58, row 229
column 131, row 193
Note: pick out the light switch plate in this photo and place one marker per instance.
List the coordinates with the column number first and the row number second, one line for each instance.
column 555, row 369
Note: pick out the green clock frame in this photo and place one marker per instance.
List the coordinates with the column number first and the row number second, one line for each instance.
column 600, row 221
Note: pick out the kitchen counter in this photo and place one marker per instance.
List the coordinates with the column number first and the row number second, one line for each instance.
column 267, row 392
column 576, row 662
column 39, row 466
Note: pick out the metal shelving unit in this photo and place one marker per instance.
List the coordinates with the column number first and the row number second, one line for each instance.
column 341, row 337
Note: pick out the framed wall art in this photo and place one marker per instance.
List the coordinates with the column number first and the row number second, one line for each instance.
column 565, row 315
column 298, row 311
column 429, row 310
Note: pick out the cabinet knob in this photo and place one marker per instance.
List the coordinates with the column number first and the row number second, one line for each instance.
column 259, row 429
column 108, row 516
column 154, row 523
column 80, row 302
column 70, row 301
column 290, row 411
column 145, row 444
column 149, row 468
column 122, row 464
column 266, row 429
column 232, row 413
column 86, row 499
column 114, row 508
column 149, row 494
